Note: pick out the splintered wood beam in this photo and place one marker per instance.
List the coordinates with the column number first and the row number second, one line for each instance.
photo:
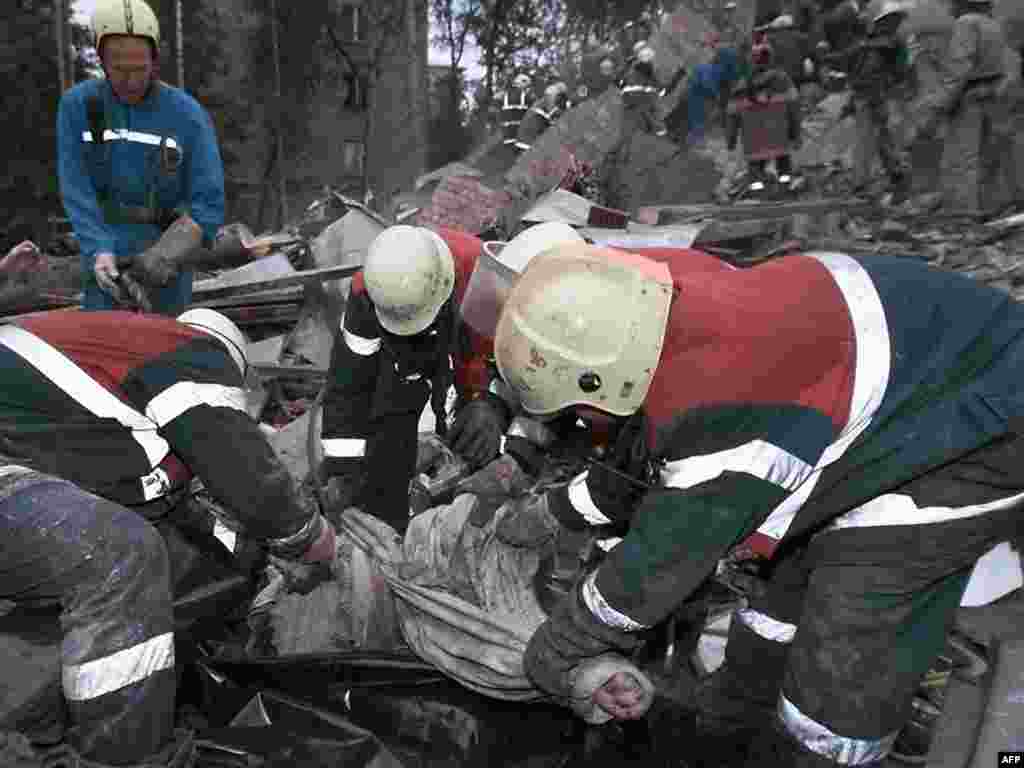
column 213, row 289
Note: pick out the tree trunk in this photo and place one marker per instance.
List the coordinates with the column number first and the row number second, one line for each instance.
column 58, row 30
column 282, row 191
column 416, row 84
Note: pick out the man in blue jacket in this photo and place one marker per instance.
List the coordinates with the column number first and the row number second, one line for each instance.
column 134, row 156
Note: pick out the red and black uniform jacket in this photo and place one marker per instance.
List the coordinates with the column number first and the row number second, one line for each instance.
column 129, row 406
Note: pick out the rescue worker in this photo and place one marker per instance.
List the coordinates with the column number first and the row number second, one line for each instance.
column 515, row 103
column 865, row 444
column 974, row 72
column 766, row 84
column 104, row 415
column 641, row 92
column 876, row 66
column 134, row 155
column 543, row 114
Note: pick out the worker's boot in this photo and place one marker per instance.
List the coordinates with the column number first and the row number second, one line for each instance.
column 16, row 751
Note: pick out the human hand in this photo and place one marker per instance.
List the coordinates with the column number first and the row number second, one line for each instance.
column 106, row 272
column 24, row 257
column 623, row 697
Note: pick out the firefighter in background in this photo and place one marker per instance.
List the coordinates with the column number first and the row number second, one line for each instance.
column 785, row 405
column 135, row 155
column 515, row 103
column 973, row 76
column 543, row 114
column 876, row 66
column 641, row 92
column 766, row 84
column 105, row 418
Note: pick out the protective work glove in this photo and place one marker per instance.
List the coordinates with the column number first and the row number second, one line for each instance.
column 158, row 264
column 567, row 647
column 479, row 425
column 313, row 566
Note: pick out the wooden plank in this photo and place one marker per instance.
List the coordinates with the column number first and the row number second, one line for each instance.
column 213, row 290
column 281, row 371
column 724, row 231
column 674, row 214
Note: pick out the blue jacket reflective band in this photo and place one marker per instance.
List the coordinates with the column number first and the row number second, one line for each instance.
column 126, row 169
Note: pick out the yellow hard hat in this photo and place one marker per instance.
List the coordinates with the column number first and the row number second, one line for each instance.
column 584, row 325
column 125, row 17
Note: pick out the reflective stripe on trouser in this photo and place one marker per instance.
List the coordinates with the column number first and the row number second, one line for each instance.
column 109, row 570
column 963, row 156
column 875, row 610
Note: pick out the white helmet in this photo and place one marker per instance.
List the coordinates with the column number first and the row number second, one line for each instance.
column 409, row 275
column 645, row 55
column 518, row 251
column 125, row 17
column 584, row 325
column 215, row 324
column 522, row 80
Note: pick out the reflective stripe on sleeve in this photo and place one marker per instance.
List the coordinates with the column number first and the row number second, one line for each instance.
column 900, row 509
column 64, row 374
column 93, row 679
column 820, row 740
column 758, row 458
column 360, row 344
column 186, row 395
column 343, row 448
column 767, row 627
column 579, row 497
column 602, row 611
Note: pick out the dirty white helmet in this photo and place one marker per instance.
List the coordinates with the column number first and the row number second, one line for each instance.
column 522, row 80
column 409, row 274
column 607, row 67
column 584, row 325
column 219, row 326
column 881, row 10
column 520, row 250
column 125, row 17
column 645, row 55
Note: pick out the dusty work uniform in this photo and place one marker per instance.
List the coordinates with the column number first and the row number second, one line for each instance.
column 641, row 97
column 127, row 172
column 876, row 66
column 973, row 74
column 515, row 103
column 104, row 411
column 869, row 444
column 378, row 384
column 765, row 109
